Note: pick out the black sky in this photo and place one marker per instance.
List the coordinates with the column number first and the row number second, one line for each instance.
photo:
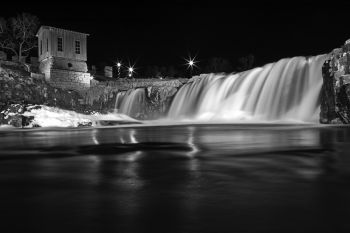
column 163, row 33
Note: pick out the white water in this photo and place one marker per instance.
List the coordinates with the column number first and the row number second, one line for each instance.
column 131, row 103
column 287, row 90
column 118, row 100
column 45, row 116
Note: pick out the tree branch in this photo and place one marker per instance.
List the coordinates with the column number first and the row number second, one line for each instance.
column 30, row 48
column 9, row 48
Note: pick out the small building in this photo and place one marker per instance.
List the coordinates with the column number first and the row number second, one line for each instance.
column 108, row 71
column 62, row 57
column 3, row 56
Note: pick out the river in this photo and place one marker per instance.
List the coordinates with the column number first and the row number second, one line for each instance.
column 180, row 178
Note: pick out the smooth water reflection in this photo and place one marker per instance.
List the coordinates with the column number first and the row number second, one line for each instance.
column 203, row 178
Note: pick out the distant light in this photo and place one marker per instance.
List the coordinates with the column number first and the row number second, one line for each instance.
column 131, row 70
column 119, row 64
column 191, row 62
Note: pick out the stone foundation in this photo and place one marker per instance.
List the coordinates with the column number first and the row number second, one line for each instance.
column 66, row 73
column 63, row 64
column 70, row 80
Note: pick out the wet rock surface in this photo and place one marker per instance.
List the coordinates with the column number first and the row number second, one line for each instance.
column 19, row 90
column 335, row 93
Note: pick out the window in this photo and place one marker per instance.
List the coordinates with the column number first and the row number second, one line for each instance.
column 60, row 44
column 77, row 47
column 41, row 47
column 47, row 45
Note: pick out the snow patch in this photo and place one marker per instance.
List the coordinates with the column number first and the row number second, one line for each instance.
column 45, row 116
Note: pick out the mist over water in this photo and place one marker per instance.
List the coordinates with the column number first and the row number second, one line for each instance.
column 287, row 90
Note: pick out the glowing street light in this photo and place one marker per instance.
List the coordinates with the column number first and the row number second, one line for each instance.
column 191, row 63
column 119, row 65
column 131, row 71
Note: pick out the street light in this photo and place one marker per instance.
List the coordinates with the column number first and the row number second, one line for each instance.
column 131, row 71
column 119, row 65
column 190, row 64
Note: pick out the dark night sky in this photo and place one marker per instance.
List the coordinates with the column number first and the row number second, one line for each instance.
column 162, row 34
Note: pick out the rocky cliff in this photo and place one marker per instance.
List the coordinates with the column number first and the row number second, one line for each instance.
column 335, row 93
column 159, row 94
column 20, row 92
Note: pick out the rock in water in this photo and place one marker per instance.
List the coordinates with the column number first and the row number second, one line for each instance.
column 328, row 112
column 335, row 94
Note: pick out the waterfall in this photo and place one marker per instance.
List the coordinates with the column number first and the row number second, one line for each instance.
column 118, row 100
column 132, row 102
column 287, row 90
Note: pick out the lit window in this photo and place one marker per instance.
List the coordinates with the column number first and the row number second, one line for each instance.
column 60, row 44
column 77, row 47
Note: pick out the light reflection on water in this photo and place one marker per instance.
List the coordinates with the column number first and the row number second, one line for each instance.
column 198, row 178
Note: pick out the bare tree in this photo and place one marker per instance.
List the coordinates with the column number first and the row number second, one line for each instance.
column 17, row 34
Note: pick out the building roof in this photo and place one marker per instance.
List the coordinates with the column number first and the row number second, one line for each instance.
column 58, row 29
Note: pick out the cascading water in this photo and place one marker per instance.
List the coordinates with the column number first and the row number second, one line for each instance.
column 131, row 103
column 287, row 90
column 118, row 100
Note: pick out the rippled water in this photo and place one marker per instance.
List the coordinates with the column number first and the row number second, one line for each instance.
column 190, row 178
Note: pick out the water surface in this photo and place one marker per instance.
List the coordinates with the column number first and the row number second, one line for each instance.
column 191, row 178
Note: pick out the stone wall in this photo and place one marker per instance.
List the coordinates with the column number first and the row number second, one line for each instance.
column 65, row 73
column 63, row 64
column 126, row 84
column 70, row 80
column 69, row 64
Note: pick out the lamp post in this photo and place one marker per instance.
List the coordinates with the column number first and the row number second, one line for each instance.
column 131, row 71
column 119, row 65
